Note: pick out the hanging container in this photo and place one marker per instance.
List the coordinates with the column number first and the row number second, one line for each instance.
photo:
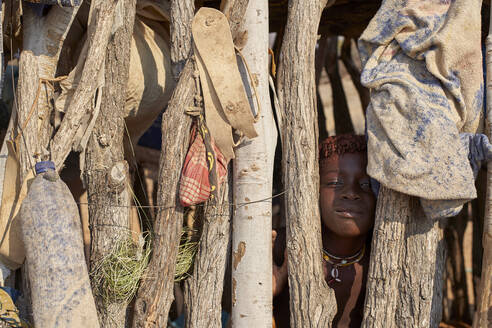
column 52, row 234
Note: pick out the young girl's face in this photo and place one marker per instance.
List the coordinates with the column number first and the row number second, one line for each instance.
column 347, row 202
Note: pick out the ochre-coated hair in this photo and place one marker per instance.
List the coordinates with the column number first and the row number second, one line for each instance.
column 341, row 144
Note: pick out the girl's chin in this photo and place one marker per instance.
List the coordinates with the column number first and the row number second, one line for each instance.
column 344, row 227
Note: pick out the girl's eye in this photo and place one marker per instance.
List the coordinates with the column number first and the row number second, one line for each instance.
column 365, row 185
column 334, row 183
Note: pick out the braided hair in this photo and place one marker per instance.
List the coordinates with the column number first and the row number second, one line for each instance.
column 341, row 144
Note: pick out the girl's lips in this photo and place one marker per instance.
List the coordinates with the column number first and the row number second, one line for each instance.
column 346, row 213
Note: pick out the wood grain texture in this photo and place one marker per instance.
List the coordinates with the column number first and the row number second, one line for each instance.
column 42, row 42
column 203, row 290
column 404, row 284
column 182, row 13
column 97, row 35
column 155, row 294
column 312, row 303
column 106, row 173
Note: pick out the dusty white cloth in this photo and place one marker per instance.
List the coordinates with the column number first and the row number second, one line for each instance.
column 422, row 61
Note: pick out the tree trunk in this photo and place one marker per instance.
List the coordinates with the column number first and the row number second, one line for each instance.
column 155, row 295
column 182, row 13
column 312, row 303
column 98, row 32
column 203, row 290
column 483, row 316
column 343, row 122
column 42, row 43
column 106, row 172
column 404, row 284
column 253, row 179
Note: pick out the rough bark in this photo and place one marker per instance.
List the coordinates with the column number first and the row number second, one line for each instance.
column 343, row 122
column 483, row 315
column 234, row 11
column 182, row 13
column 354, row 73
column 404, row 284
column 98, row 32
column 203, row 290
column 155, row 295
column 312, row 303
column 253, row 180
column 42, row 43
column 106, row 172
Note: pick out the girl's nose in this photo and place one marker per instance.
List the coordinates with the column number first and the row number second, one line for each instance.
column 350, row 193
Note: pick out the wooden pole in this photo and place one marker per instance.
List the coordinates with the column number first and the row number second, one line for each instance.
column 203, row 290
column 253, row 180
column 483, row 315
column 404, row 283
column 312, row 302
column 155, row 294
column 106, row 171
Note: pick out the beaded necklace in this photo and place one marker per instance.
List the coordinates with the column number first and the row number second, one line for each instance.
column 342, row 262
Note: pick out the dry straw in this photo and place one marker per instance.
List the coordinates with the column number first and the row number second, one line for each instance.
column 117, row 275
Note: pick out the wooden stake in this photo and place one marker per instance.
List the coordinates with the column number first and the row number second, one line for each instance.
column 253, row 180
column 106, row 172
column 312, row 303
column 155, row 294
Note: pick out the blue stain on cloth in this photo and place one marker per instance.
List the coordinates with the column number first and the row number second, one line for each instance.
column 422, row 62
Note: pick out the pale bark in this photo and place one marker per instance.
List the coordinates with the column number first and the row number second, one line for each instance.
column 106, row 171
column 42, row 43
column 203, row 290
column 312, row 303
column 253, row 179
column 98, row 32
column 483, row 315
column 404, row 284
column 234, row 11
column 155, row 295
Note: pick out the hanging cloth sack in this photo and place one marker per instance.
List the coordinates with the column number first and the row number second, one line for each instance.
column 204, row 168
